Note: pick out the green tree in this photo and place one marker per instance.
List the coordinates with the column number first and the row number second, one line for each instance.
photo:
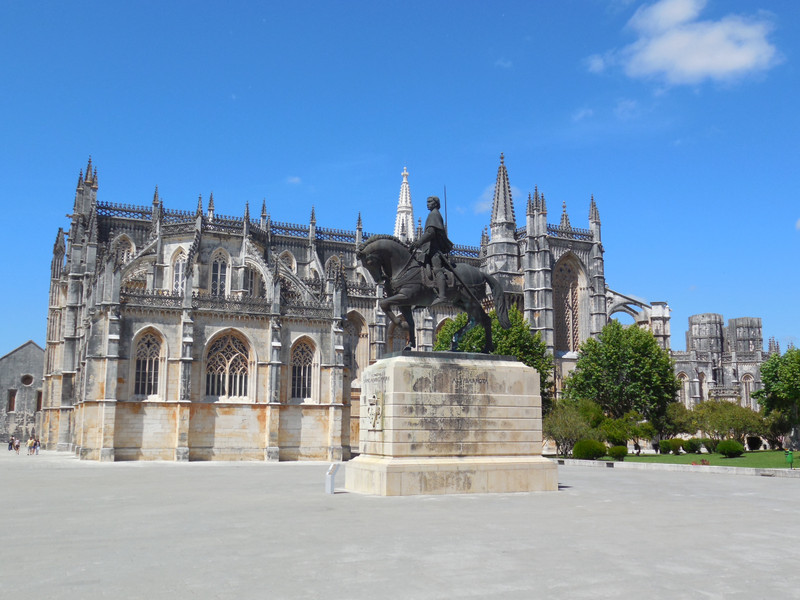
column 625, row 370
column 565, row 425
column 516, row 341
column 721, row 419
column 780, row 375
column 679, row 419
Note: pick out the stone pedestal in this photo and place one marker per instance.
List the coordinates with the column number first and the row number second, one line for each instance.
column 447, row 423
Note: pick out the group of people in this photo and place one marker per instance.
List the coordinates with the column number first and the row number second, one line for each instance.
column 32, row 444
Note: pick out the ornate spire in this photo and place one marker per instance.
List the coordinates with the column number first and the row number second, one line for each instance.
column 358, row 222
column 247, row 212
column 564, row 217
column 80, row 181
column 503, row 205
column 199, row 204
column 155, row 197
column 542, row 204
column 95, row 180
column 264, row 208
column 313, row 215
column 89, row 171
column 594, row 215
column 404, row 220
column 531, row 207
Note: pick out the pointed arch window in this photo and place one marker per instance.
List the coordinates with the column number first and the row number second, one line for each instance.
column 565, row 300
column 253, row 283
column 747, row 392
column 302, row 361
column 219, row 274
column 332, row 267
column 227, row 368
column 148, row 352
column 124, row 251
column 179, row 273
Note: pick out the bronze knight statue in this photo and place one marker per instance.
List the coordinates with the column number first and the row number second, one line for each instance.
column 402, row 272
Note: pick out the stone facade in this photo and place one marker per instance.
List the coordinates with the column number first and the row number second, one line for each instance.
column 21, row 382
column 185, row 335
column 721, row 361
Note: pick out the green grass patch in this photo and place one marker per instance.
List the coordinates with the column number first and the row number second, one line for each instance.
column 761, row 459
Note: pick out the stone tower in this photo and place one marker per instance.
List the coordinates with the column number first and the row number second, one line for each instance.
column 404, row 222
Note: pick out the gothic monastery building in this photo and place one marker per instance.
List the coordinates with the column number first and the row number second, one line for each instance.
column 188, row 335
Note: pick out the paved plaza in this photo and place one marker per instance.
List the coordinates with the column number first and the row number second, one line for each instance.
column 85, row 530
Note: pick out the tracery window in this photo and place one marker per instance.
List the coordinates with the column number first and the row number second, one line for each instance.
column 219, row 273
column 302, row 360
column 287, row 260
column 253, row 283
column 747, row 390
column 124, row 251
column 356, row 346
column 565, row 300
column 332, row 267
column 148, row 351
column 683, row 391
column 226, row 367
column 179, row 273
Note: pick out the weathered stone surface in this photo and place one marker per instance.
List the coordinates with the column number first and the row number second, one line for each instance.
column 449, row 424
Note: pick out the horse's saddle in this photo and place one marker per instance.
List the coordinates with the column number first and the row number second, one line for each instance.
column 428, row 279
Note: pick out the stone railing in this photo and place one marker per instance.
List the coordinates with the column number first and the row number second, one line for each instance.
column 153, row 298
column 572, row 233
column 124, row 211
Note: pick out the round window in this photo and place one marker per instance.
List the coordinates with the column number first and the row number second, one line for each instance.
column 27, row 379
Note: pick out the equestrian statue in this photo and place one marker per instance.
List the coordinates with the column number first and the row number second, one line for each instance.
column 422, row 275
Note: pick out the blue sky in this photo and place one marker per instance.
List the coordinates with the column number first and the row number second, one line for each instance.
column 680, row 116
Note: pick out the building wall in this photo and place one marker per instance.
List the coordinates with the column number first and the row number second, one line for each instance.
column 721, row 361
column 20, row 379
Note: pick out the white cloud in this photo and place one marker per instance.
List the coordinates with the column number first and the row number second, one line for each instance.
column 503, row 63
column 596, row 63
column 581, row 114
column 294, row 180
column 627, row 109
column 675, row 46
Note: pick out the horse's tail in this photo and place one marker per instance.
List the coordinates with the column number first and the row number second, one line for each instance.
column 500, row 301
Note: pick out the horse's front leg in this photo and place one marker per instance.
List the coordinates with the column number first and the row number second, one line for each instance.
column 386, row 307
column 408, row 315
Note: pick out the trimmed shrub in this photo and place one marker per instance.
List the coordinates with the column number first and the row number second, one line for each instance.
column 664, row 447
column 711, row 445
column 677, row 444
column 730, row 448
column 692, row 446
column 754, row 442
column 618, row 452
column 588, row 449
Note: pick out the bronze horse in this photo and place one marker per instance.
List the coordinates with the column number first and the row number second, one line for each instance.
column 390, row 262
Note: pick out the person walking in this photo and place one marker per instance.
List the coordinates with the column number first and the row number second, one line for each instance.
column 30, row 445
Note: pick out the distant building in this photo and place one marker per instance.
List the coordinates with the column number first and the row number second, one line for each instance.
column 21, row 382
column 188, row 335
column 721, row 361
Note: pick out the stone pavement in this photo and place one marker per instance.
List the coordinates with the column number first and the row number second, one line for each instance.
column 84, row 530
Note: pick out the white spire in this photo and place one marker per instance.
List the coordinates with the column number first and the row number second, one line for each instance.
column 404, row 222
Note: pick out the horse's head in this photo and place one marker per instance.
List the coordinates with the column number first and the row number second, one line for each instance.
column 382, row 256
column 372, row 263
